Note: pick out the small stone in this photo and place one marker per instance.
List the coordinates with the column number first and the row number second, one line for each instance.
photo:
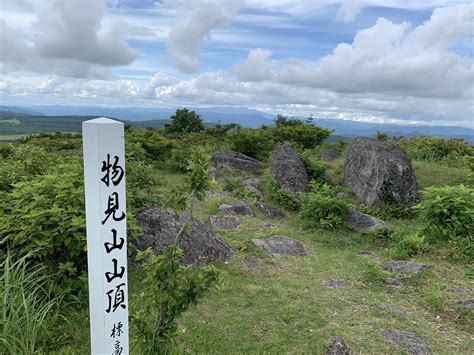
column 458, row 289
column 335, row 283
column 408, row 268
column 392, row 282
column 224, row 222
column 365, row 253
column 387, row 308
column 251, row 263
column 408, row 341
column 280, row 245
column 270, row 211
column 338, row 346
column 238, row 209
column 466, row 305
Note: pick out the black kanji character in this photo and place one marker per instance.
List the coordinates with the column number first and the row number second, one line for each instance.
column 112, row 275
column 118, row 300
column 117, row 171
column 113, row 206
column 117, row 330
column 111, row 246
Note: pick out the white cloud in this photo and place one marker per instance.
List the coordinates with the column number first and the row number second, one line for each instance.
column 201, row 17
column 390, row 58
column 255, row 68
column 67, row 38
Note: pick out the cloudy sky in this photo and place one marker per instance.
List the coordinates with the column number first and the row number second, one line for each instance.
column 398, row 61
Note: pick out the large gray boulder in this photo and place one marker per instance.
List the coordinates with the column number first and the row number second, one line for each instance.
column 288, row 169
column 235, row 160
column 379, row 173
column 200, row 246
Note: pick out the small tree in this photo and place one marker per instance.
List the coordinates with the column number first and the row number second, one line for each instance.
column 168, row 287
column 185, row 121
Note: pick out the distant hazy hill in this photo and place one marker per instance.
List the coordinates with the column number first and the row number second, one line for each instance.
column 51, row 118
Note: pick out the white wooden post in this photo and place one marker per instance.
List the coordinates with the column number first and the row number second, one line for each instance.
column 104, row 180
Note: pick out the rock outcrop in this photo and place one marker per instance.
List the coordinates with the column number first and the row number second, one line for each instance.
column 224, row 222
column 408, row 341
column 242, row 209
column 338, row 346
column 406, row 267
column 270, row 211
column 329, row 155
column 280, row 245
column 379, row 173
column 200, row 246
column 235, row 160
column 288, row 169
column 364, row 221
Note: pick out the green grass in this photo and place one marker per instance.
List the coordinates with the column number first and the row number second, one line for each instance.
column 435, row 174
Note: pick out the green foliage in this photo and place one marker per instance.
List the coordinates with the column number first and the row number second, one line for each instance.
column 179, row 159
column 453, row 152
column 169, row 289
column 448, row 212
column 148, row 145
column 315, row 170
column 45, row 218
column 256, row 143
column 23, row 163
column 380, row 136
column 321, row 209
column 372, row 274
column 304, row 136
column 27, row 306
column 389, row 211
column 409, row 245
column 283, row 198
column 185, row 121
column 221, row 131
column 448, row 216
column 239, row 190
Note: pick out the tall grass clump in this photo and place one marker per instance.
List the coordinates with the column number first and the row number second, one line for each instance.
column 26, row 306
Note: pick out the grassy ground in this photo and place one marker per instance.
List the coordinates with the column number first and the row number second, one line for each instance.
column 283, row 305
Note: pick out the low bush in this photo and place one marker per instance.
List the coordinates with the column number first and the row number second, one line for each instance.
column 321, row 209
column 448, row 216
column 168, row 289
column 315, row 170
column 256, row 143
column 302, row 133
column 450, row 151
column 409, row 245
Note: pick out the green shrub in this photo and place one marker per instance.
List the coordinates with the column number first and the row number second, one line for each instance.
column 168, row 290
column 410, row 245
column 450, row 151
column 304, row 136
column 256, row 143
column 25, row 162
column 239, row 190
column 185, row 121
column 149, row 145
column 321, row 209
column 448, row 216
column 448, row 212
column 316, row 171
column 45, row 218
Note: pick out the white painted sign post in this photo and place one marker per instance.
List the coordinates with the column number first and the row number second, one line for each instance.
column 104, row 180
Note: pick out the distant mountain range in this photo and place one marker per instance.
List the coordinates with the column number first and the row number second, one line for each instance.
column 156, row 117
